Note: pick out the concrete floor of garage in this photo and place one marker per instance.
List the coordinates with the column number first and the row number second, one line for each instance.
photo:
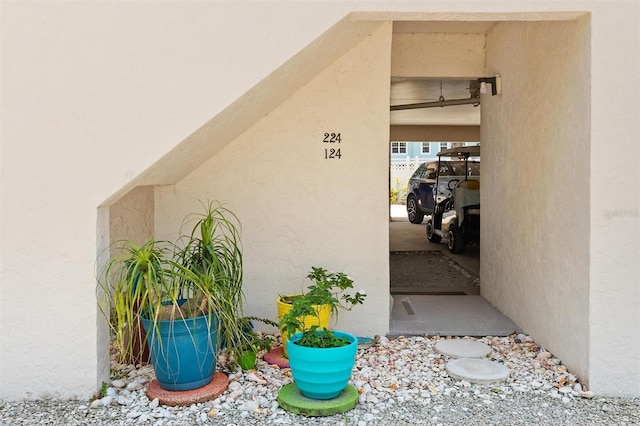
column 446, row 315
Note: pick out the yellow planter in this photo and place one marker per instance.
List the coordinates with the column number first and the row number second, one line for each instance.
column 322, row 320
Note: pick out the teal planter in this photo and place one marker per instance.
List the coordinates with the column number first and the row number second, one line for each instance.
column 183, row 351
column 322, row 373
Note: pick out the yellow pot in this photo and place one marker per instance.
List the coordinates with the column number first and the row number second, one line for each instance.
column 322, row 320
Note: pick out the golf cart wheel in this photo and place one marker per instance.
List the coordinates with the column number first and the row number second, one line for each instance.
column 415, row 216
column 432, row 236
column 455, row 241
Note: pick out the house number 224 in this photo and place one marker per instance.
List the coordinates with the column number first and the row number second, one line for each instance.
column 332, row 153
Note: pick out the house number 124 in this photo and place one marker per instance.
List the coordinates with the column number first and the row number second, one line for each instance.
column 332, row 153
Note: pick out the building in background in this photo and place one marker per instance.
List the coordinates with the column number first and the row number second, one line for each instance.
column 405, row 159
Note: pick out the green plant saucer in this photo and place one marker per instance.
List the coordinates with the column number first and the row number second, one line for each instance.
column 290, row 399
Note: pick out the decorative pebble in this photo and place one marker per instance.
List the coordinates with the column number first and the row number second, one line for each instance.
column 118, row 383
column 135, row 385
column 106, row 401
column 396, row 377
column 125, row 400
column 520, row 338
column 154, row 404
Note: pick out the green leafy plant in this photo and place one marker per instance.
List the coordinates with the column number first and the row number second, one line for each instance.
column 393, row 194
column 244, row 352
column 253, row 341
column 398, row 193
column 103, row 389
column 327, row 288
column 200, row 274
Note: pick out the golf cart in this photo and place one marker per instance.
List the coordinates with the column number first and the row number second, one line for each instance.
column 457, row 217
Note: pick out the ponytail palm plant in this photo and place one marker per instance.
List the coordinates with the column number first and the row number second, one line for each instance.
column 212, row 254
column 199, row 275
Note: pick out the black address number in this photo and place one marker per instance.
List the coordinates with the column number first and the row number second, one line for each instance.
column 332, row 153
column 332, row 138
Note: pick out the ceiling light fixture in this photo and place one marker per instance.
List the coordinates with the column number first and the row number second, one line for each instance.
column 495, row 82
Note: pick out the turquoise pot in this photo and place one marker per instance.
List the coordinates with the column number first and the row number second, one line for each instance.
column 183, row 351
column 322, row 373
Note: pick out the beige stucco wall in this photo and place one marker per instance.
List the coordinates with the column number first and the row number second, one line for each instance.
column 438, row 55
column 299, row 209
column 614, row 238
column 93, row 94
column 552, row 253
column 132, row 216
column 535, row 182
column 96, row 95
column 434, row 133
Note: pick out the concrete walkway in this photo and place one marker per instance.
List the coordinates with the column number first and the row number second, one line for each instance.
column 447, row 315
column 406, row 236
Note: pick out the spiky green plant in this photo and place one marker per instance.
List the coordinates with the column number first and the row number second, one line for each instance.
column 204, row 267
column 212, row 252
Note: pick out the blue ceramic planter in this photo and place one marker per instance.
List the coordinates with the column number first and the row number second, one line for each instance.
column 183, row 351
column 322, row 373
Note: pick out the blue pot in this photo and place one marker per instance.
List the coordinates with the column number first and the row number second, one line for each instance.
column 183, row 351
column 322, row 373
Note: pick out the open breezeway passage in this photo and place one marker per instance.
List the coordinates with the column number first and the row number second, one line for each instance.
column 405, row 236
column 444, row 301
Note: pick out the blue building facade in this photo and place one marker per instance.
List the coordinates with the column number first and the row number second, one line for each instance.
column 422, row 150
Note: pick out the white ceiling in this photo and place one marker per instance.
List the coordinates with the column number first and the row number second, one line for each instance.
column 418, row 90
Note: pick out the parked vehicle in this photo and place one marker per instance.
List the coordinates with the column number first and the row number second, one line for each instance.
column 456, row 218
column 421, row 197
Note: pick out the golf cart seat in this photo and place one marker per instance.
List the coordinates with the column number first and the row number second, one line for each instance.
column 467, row 196
column 469, row 184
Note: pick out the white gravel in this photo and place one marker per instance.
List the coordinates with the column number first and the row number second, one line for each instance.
column 402, row 381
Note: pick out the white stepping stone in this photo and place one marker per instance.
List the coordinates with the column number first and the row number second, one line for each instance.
column 459, row 348
column 476, row 370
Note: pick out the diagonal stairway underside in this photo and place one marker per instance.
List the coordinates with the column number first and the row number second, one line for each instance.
column 256, row 103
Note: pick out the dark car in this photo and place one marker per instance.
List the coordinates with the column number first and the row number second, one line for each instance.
column 420, row 189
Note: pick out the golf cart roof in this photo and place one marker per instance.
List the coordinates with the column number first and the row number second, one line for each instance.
column 461, row 152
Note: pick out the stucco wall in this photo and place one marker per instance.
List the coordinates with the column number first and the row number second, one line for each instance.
column 548, row 260
column 435, row 133
column 132, row 216
column 299, row 209
column 535, row 182
column 93, row 94
column 614, row 277
column 96, row 93
column 438, row 55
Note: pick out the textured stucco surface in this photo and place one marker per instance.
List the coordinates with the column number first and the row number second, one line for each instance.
column 614, row 277
column 299, row 209
column 132, row 216
column 438, row 55
column 93, row 94
column 535, row 184
column 97, row 97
